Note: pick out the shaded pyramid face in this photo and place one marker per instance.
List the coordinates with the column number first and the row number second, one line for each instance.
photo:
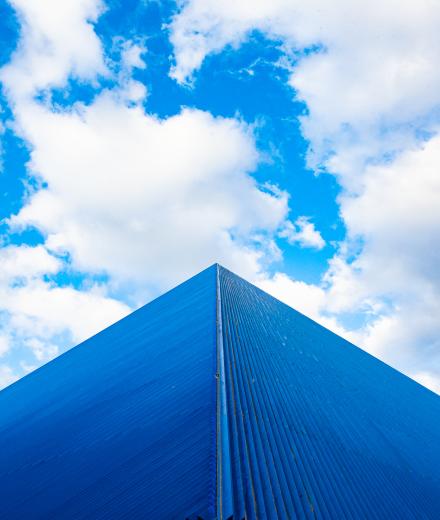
column 218, row 401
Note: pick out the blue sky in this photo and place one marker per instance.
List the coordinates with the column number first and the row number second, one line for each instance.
column 294, row 142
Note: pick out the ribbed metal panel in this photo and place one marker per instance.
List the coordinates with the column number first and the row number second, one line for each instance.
column 122, row 426
column 317, row 427
column 218, row 400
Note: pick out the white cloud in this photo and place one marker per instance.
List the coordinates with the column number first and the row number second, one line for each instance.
column 132, row 55
column 131, row 90
column 4, row 344
column 7, row 376
column 306, row 298
column 147, row 199
column 42, row 350
column 40, row 309
column 57, row 40
column 26, row 262
column 398, row 215
column 302, row 232
column 40, row 316
column 37, row 306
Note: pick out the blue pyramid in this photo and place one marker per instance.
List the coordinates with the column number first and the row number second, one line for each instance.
column 218, row 401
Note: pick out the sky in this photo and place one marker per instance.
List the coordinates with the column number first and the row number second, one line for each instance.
column 295, row 142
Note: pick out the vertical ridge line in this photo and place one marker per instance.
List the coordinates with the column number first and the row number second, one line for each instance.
column 224, row 471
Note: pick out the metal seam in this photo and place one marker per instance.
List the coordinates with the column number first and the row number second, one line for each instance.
column 224, row 473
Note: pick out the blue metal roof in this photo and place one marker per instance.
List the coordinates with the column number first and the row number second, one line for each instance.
column 217, row 400
column 122, row 426
column 318, row 427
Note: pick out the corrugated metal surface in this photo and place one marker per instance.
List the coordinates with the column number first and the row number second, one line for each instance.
column 317, row 427
column 123, row 426
column 283, row 419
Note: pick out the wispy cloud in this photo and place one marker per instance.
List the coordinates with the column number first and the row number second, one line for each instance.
column 302, row 232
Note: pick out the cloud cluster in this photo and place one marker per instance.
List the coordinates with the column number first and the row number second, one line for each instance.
column 38, row 316
column 365, row 71
column 141, row 201
column 148, row 201
column 397, row 215
column 368, row 76
column 145, row 199
column 7, row 375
